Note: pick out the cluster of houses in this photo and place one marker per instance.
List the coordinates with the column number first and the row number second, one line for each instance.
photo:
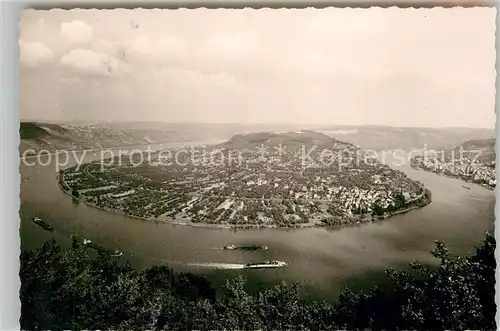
column 279, row 193
column 470, row 169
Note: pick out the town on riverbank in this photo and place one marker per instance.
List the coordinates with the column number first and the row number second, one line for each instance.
column 277, row 192
column 475, row 164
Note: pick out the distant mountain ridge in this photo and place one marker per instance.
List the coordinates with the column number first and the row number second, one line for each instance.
column 49, row 136
column 386, row 137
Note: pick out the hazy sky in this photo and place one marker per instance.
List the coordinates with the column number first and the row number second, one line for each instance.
column 402, row 67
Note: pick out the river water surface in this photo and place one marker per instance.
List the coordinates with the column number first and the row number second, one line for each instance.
column 322, row 259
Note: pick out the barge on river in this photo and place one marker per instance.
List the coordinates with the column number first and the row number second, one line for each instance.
column 46, row 226
column 246, row 247
column 266, row 264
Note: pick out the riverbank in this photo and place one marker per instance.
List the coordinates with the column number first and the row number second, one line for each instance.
column 418, row 202
column 427, row 200
column 339, row 255
column 460, row 177
column 23, row 155
column 176, row 221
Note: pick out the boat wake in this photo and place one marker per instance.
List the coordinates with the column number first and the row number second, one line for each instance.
column 227, row 266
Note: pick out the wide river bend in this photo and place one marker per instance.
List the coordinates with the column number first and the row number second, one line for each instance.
column 323, row 259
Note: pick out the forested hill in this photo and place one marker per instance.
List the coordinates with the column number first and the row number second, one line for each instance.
column 77, row 290
column 292, row 141
column 484, row 149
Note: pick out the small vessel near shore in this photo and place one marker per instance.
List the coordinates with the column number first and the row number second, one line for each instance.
column 37, row 220
column 117, row 253
column 466, row 187
column 99, row 248
column 246, row 247
column 266, row 264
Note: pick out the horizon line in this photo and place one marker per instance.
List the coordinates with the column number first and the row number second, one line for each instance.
column 322, row 125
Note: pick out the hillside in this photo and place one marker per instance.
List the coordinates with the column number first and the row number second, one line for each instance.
column 293, row 141
column 51, row 137
column 386, row 137
column 69, row 136
column 484, row 149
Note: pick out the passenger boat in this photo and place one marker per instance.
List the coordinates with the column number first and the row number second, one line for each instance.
column 266, row 264
column 37, row 220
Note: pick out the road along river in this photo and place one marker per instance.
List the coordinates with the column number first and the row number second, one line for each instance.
column 320, row 258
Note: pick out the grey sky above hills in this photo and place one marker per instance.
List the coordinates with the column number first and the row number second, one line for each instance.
column 399, row 67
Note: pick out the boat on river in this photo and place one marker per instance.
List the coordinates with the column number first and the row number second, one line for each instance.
column 466, row 187
column 37, row 220
column 100, row 248
column 117, row 253
column 266, row 264
column 246, row 247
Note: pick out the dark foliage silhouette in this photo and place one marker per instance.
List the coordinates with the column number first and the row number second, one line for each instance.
column 76, row 289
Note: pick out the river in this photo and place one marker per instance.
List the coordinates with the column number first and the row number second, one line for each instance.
column 323, row 260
